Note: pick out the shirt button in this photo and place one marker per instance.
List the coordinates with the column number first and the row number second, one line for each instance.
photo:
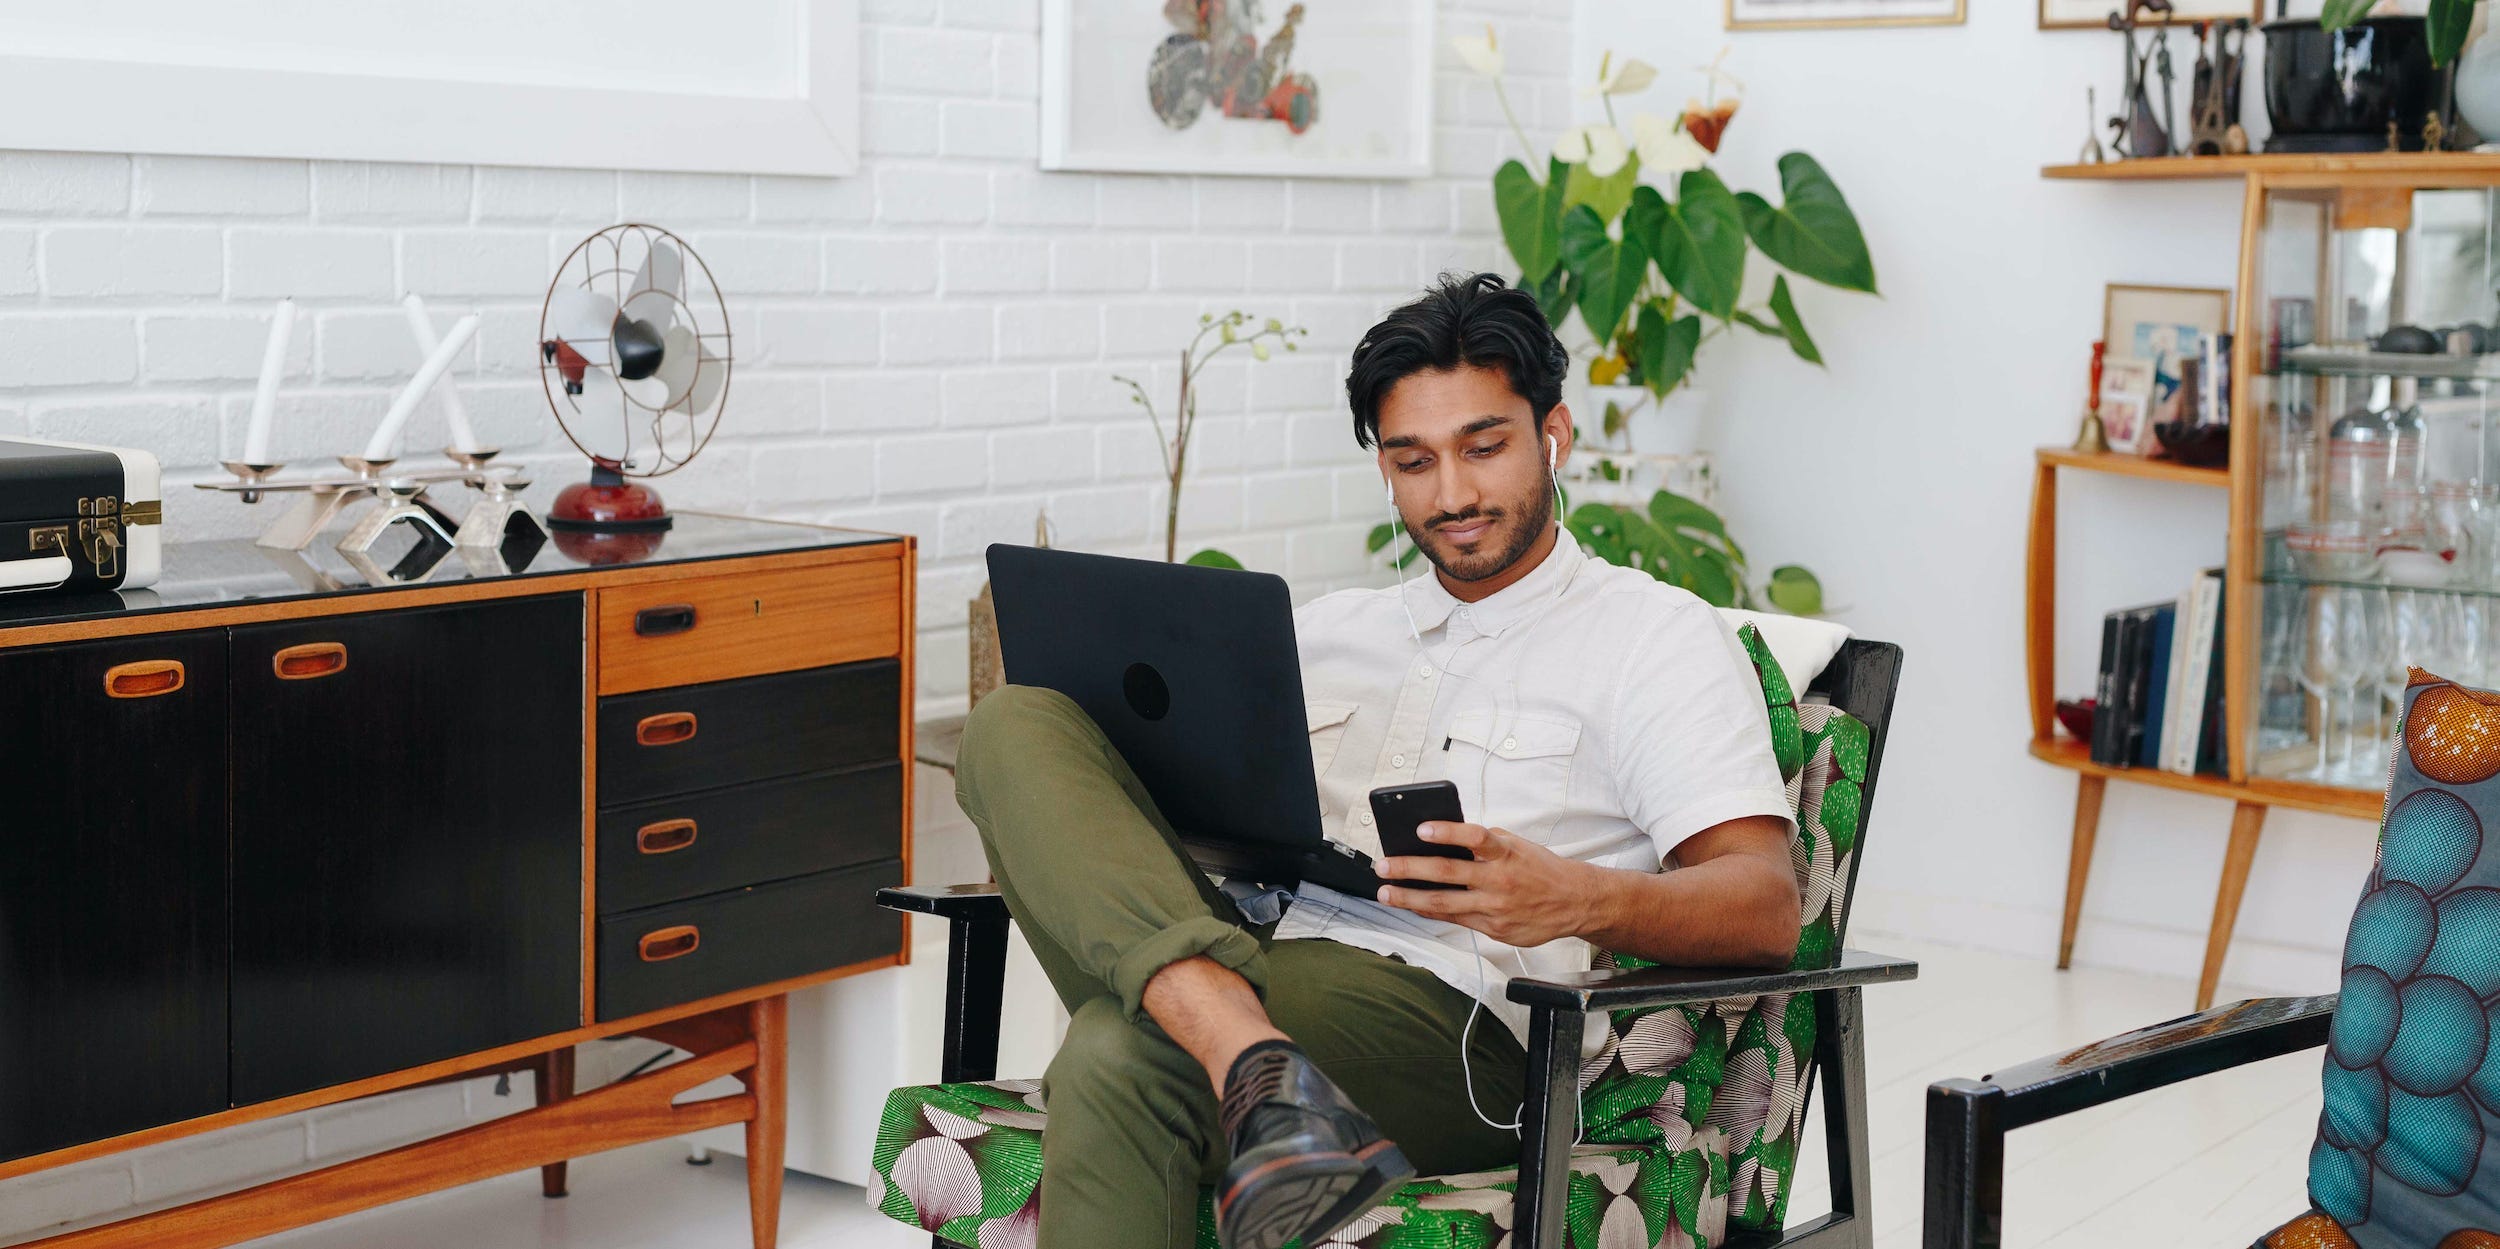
column 1366, row 818
column 1510, row 743
column 1425, row 672
column 1397, row 761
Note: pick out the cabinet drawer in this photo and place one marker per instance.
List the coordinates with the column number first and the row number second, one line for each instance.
column 748, row 624
column 701, row 843
column 666, row 955
column 676, row 741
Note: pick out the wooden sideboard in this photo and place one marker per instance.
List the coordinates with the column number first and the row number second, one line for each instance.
column 286, row 831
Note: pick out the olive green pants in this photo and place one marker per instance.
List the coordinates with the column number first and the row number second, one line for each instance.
column 1107, row 897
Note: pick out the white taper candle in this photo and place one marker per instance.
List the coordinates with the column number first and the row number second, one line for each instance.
column 421, row 327
column 386, row 435
column 265, row 397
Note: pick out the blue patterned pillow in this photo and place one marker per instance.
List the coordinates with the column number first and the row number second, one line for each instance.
column 2412, row 1072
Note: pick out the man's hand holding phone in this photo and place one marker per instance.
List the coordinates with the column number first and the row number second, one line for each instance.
column 1504, row 886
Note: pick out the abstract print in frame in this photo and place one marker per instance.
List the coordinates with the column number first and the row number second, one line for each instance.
column 1820, row 14
column 1304, row 88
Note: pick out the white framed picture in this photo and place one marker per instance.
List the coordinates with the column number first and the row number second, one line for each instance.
column 2095, row 14
column 1307, row 88
column 760, row 86
column 1821, row 14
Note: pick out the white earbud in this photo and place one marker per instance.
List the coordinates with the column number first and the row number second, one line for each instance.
column 1553, row 454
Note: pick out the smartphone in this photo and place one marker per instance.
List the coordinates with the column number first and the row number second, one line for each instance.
column 1397, row 809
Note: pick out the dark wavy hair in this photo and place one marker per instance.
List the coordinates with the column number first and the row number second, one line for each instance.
column 1479, row 321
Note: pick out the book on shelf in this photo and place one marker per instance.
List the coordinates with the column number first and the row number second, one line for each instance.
column 2160, row 684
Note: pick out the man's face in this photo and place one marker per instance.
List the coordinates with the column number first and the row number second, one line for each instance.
column 1466, row 463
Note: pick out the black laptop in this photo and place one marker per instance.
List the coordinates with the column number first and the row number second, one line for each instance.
column 1193, row 675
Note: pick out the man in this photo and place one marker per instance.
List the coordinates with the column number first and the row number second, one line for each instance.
column 1600, row 726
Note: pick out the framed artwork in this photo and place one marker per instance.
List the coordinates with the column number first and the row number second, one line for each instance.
column 2162, row 325
column 1306, row 88
column 762, row 86
column 2126, row 404
column 2095, row 14
column 1825, row 14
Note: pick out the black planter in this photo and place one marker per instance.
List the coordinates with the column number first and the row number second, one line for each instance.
column 2338, row 92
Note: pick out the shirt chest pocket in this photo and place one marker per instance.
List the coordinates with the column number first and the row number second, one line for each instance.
column 1327, row 726
column 1525, row 762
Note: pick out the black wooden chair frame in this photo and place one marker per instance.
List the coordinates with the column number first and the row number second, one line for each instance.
column 1967, row 1119
column 1860, row 680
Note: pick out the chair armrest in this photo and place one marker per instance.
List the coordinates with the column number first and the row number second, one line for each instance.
column 1602, row 991
column 961, row 903
column 2151, row 1057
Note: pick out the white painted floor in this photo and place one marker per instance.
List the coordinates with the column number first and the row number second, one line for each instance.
column 2213, row 1163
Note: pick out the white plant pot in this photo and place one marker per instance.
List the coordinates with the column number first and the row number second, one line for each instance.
column 2478, row 80
column 1675, row 425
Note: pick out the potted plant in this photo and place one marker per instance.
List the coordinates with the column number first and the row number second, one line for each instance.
column 2451, row 27
column 1216, row 335
column 1632, row 237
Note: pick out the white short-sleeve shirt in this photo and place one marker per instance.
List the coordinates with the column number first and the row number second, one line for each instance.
column 1588, row 707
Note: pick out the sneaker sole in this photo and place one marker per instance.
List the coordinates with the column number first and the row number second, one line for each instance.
column 1385, row 1171
column 1285, row 1198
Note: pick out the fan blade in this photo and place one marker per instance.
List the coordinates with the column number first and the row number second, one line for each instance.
column 579, row 314
column 663, row 270
column 639, row 348
column 649, row 392
column 711, row 374
column 677, row 368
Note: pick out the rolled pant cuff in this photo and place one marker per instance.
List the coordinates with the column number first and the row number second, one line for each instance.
column 1204, row 934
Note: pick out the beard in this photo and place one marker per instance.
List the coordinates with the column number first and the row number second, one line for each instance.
column 1516, row 527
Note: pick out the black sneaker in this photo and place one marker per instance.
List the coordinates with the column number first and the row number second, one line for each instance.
column 1305, row 1161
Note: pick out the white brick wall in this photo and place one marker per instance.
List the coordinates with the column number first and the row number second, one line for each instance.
column 925, row 347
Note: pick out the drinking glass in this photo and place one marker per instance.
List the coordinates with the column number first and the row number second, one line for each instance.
column 2381, row 683
column 2331, row 661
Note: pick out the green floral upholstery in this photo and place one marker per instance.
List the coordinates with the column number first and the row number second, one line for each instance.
column 1692, row 1114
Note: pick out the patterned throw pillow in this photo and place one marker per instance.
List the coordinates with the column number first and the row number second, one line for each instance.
column 2412, row 1073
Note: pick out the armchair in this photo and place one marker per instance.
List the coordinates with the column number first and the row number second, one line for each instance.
column 1692, row 1135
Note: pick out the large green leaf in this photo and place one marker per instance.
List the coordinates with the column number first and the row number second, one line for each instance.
column 1608, row 271
column 1795, row 590
column 1814, row 234
column 1700, row 243
column 2451, row 21
column 1607, row 195
column 1784, row 306
column 1212, row 558
column 1673, row 511
column 1528, row 225
column 1667, row 348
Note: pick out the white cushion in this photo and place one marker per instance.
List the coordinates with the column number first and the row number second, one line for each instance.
column 1802, row 645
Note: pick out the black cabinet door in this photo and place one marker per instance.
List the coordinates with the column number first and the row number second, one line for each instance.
column 112, row 888
column 407, row 838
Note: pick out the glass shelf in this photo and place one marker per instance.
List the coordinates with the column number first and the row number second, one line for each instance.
column 2329, row 362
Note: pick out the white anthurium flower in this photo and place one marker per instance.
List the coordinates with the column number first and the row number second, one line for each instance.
column 1482, row 55
column 1600, row 147
column 1664, row 147
column 1629, row 78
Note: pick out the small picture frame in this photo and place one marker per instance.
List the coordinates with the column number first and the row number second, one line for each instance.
column 1832, row 14
column 2127, row 405
column 2095, row 14
column 2162, row 325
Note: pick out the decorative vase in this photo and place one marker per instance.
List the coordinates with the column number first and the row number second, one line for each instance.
column 2478, row 81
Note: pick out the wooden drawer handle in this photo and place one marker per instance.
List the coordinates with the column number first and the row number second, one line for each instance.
column 661, row 621
column 665, row 729
column 146, row 678
column 309, row 661
column 665, row 836
column 668, row 943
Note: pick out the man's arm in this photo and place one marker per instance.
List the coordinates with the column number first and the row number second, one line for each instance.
column 1732, row 903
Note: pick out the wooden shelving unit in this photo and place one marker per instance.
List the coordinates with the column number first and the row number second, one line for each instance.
column 2364, row 190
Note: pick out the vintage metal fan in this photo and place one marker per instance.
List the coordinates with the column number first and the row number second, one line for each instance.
column 633, row 346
